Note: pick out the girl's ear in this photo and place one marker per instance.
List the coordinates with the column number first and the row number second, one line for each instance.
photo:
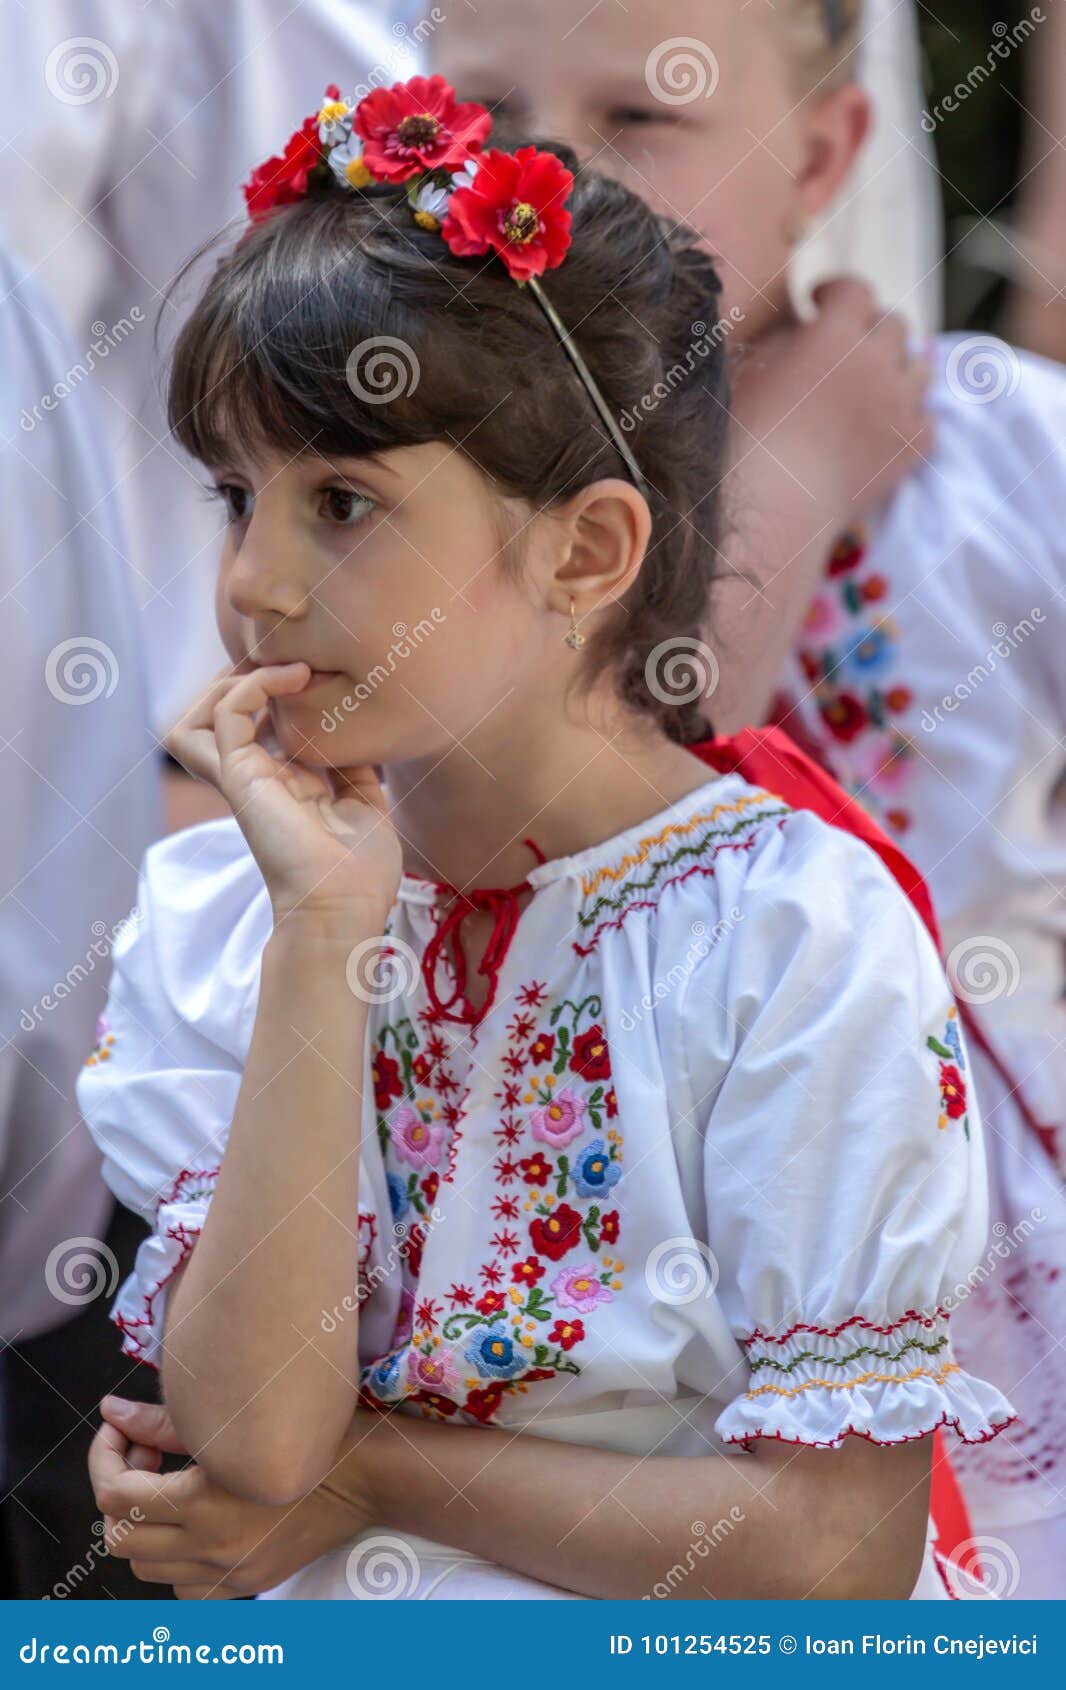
column 606, row 529
column 836, row 125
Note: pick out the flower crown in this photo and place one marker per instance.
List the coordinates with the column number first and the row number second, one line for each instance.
column 418, row 133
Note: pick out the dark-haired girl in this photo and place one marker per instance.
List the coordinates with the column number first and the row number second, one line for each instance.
column 563, row 1154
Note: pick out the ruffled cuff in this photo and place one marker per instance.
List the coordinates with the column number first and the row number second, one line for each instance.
column 139, row 1309
column 816, row 1385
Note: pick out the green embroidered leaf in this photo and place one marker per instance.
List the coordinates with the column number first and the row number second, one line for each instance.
column 941, row 1050
column 597, row 1118
column 597, row 1094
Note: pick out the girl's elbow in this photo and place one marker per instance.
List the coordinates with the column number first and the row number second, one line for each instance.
column 272, row 1474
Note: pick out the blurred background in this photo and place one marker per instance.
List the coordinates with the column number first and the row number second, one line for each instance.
column 126, row 131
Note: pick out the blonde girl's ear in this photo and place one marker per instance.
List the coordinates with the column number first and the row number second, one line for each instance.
column 606, row 532
column 837, row 123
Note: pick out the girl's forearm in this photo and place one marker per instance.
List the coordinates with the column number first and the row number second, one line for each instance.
column 258, row 1389
column 613, row 1526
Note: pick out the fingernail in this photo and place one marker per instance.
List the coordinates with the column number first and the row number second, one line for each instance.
column 116, row 1405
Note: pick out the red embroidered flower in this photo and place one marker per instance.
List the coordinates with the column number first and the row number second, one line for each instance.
column 847, row 554
column 543, row 1048
column 566, row 1333
column 421, row 1067
column 952, row 1091
column 411, row 1248
column 874, row 588
column 443, row 1405
column 553, row 1235
column 532, row 995
column 527, row 1272
column 845, row 716
column 899, row 698
column 283, row 179
column 387, row 1082
column 430, row 1186
column 609, row 1227
column 536, row 1169
column 416, row 126
column 491, row 1303
column 483, row 1403
column 898, row 820
column 514, row 206
column 611, row 1103
column 591, row 1057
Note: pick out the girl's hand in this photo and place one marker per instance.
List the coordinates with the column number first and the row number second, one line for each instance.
column 839, row 406
column 322, row 838
column 181, row 1529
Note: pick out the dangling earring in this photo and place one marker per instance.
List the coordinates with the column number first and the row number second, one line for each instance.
column 575, row 639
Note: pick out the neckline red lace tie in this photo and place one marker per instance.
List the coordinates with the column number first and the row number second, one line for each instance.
column 502, row 901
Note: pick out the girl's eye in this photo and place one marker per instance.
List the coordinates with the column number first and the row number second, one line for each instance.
column 239, row 501
column 340, row 504
column 637, row 117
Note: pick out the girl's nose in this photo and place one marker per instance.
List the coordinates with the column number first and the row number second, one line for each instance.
column 262, row 581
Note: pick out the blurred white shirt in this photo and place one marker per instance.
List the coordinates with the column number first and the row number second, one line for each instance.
column 127, row 131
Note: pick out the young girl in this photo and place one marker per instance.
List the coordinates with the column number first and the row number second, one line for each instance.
column 547, row 1086
column 927, row 673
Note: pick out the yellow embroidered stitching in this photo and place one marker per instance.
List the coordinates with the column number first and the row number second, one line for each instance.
column 634, row 860
column 860, row 1379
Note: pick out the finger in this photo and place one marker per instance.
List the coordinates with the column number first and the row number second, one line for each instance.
column 197, row 752
column 143, row 1423
column 137, row 1541
column 202, row 1593
column 144, row 1460
column 107, row 1463
column 237, row 713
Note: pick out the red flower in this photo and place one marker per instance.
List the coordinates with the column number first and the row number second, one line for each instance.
column 430, row 1186
column 283, row 180
column 591, row 1057
column 490, row 1303
column 553, row 1235
column 952, row 1091
column 483, row 1403
column 443, row 1405
column 898, row 820
column 874, row 588
column 899, row 698
column 527, row 1272
column 543, row 1048
column 421, row 1067
column 612, row 1104
column 609, row 1227
column 845, row 716
column 514, row 206
column 536, row 1169
column 848, row 553
column 387, row 1082
column 566, row 1333
column 412, row 1249
column 416, row 126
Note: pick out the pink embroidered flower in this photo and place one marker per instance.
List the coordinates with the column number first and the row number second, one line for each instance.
column 561, row 1120
column 434, row 1372
column 404, row 1319
column 825, row 618
column 416, row 1141
column 580, row 1288
column 882, row 762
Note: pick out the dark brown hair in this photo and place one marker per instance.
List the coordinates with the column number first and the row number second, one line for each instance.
column 264, row 359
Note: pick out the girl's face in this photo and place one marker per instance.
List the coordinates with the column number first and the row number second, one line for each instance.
column 384, row 575
column 617, row 82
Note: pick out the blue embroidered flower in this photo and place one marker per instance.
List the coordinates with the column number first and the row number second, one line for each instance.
column 954, row 1043
column 495, row 1356
column 593, row 1172
column 382, row 1378
column 871, row 652
column 399, row 1201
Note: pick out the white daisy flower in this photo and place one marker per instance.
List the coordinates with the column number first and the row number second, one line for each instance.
column 346, row 163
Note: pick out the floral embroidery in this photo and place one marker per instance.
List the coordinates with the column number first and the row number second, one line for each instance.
column 103, row 1040
column 846, row 647
column 952, row 1068
column 641, row 875
column 468, row 1349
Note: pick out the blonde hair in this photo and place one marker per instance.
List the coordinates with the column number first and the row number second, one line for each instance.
column 823, row 62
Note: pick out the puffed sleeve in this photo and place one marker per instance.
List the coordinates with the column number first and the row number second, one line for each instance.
column 159, row 1089
column 842, row 1161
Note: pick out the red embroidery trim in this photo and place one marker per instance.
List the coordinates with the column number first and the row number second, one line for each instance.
column 854, row 1432
column 928, row 1318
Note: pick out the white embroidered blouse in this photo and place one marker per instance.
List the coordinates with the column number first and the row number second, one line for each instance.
column 708, row 1152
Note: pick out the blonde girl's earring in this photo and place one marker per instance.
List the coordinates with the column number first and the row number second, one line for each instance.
column 575, row 639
